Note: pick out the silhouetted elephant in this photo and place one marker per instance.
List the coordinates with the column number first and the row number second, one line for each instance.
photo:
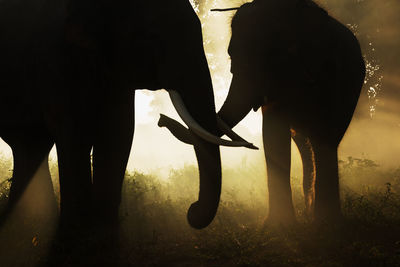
column 89, row 55
column 305, row 70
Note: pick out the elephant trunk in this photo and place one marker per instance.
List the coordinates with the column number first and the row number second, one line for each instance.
column 196, row 92
column 198, row 112
column 236, row 106
column 202, row 212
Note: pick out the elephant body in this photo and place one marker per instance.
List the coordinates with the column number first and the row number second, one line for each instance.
column 305, row 69
column 88, row 57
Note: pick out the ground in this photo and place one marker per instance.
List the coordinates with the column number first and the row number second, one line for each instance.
column 154, row 232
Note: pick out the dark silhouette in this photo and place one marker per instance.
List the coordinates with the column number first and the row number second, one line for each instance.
column 85, row 57
column 305, row 70
column 22, row 124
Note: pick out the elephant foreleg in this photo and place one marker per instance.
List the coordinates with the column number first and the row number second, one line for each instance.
column 75, row 179
column 31, row 186
column 308, row 160
column 277, row 141
column 111, row 150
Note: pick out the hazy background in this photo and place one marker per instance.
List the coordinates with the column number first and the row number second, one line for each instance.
column 374, row 132
column 165, row 181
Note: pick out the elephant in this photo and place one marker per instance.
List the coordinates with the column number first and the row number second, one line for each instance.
column 305, row 70
column 89, row 58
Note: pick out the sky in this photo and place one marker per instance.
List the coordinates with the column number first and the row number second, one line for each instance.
column 374, row 132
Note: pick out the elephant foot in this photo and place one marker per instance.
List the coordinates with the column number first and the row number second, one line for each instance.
column 279, row 226
column 106, row 215
column 74, row 243
column 328, row 210
column 74, row 224
column 281, row 219
column 328, row 217
column 76, row 218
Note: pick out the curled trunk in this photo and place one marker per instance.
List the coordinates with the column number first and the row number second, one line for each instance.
column 195, row 88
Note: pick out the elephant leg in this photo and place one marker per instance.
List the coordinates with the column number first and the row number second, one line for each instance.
column 327, row 199
column 308, row 160
column 277, row 142
column 67, row 92
column 75, row 179
column 31, row 184
column 111, row 150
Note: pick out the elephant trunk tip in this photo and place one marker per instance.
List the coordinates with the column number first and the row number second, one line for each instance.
column 251, row 146
column 200, row 217
column 224, row 9
column 162, row 121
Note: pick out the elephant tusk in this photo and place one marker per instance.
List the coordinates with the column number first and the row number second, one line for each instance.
column 183, row 134
column 230, row 133
column 197, row 129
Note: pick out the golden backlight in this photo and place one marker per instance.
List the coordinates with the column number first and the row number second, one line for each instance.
column 157, row 195
column 156, row 150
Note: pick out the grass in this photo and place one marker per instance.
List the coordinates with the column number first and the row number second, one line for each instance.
column 154, row 231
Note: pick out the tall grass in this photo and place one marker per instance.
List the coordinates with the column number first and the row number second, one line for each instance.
column 154, row 231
